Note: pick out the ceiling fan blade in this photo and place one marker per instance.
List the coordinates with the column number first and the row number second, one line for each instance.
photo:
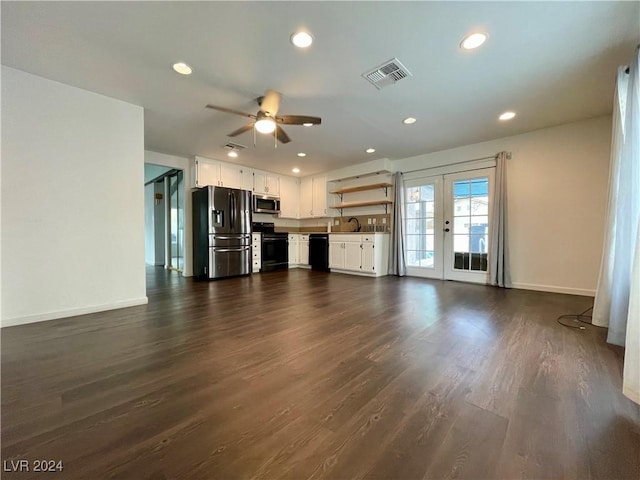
column 281, row 134
column 298, row 120
column 270, row 103
column 241, row 130
column 231, row 110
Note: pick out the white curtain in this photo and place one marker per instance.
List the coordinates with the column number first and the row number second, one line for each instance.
column 617, row 296
column 499, row 271
column 397, row 263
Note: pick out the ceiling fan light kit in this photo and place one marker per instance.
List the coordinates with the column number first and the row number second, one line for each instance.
column 267, row 120
column 265, row 125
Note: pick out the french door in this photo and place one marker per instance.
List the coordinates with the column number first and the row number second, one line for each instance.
column 447, row 225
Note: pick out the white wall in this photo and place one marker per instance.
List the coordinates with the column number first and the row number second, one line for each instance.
column 557, row 189
column 72, row 201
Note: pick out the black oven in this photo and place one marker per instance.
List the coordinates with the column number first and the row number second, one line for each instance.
column 274, row 247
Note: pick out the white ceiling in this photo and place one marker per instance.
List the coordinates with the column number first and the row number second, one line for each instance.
column 552, row 63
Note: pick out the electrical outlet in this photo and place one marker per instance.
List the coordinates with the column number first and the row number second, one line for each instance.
column 368, row 221
column 337, row 222
column 384, row 221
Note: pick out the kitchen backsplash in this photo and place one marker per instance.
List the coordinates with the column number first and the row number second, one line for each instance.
column 368, row 223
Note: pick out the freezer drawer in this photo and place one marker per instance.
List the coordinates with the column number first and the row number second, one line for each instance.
column 229, row 240
column 229, row 261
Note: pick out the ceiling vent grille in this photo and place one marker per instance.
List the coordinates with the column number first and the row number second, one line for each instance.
column 234, row 146
column 387, row 74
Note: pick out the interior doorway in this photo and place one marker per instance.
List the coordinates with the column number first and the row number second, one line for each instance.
column 164, row 217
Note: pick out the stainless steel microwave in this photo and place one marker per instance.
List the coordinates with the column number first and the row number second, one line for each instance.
column 266, row 204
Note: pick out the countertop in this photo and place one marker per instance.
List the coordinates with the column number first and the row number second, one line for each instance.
column 339, row 233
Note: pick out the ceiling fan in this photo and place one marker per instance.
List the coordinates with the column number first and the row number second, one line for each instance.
column 266, row 120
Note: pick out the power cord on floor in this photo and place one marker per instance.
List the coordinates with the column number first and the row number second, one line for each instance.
column 573, row 320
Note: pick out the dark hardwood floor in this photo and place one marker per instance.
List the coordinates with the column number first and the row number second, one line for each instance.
column 304, row 374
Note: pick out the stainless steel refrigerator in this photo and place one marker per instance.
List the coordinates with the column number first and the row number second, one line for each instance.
column 221, row 232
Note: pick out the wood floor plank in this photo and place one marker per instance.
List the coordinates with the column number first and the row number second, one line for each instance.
column 303, row 374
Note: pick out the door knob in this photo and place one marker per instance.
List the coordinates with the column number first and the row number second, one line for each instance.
column 446, row 229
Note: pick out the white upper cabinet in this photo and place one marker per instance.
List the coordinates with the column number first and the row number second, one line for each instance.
column 289, row 197
column 230, row 175
column 207, row 172
column 218, row 174
column 306, row 197
column 320, row 196
column 266, row 183
column 313, row 197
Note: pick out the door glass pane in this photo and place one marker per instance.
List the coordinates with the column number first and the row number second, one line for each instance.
column 426, row 193
column 176, row 257
column 419, row 226
column 470, row 224
column 460, row 225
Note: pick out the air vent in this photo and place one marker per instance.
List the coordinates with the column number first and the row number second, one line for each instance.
column 233, row 146
column 387, row 74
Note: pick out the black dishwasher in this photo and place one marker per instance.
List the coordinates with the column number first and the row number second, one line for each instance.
column 319, row 251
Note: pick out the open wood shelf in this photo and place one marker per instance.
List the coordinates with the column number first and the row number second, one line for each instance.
column 385, row 203
column 362, row 188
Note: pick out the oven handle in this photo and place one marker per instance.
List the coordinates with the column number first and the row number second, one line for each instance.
column 274, row 239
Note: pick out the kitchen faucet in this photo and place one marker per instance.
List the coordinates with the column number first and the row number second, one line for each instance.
column 357, row 223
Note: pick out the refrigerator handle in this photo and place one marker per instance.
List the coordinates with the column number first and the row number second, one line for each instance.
column 233, row 209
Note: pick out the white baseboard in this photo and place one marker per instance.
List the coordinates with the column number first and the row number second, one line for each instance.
column 41, row 317
column 555, row 289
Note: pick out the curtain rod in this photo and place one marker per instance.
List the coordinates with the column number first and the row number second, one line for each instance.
column 457, row 163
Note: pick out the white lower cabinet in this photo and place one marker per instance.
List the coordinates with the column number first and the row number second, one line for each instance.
column 256, row 252
column 303, row 250
column 360, row 254
column 294, row 240
column 298, row 250
column 368, row 257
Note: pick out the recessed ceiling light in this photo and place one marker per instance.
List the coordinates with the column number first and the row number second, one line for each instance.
column 371, row 150
column 473, row 41
column 233, row 154
column 307, row 124
column 182, row 68
column 295, row 170
column 507, row 116
column 302, row 154
column 409, row 120
column 301, row 39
